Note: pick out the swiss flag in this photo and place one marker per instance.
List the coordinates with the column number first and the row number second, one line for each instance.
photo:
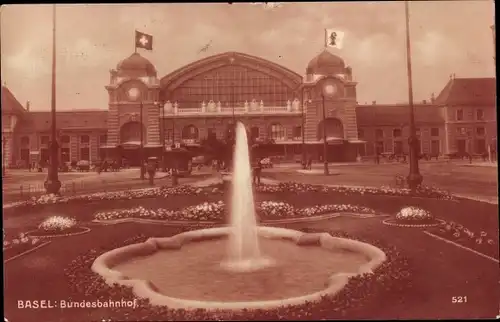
column 143, row 40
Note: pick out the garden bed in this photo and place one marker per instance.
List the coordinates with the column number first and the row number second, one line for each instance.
column 479, row 241
column 218, row 212
column 362, row 292
column 14, row 247
column 40, row 233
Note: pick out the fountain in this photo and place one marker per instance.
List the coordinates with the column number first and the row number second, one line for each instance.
column 244, row 251
column 242, row 266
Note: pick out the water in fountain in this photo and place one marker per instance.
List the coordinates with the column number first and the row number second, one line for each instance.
column 244, row 250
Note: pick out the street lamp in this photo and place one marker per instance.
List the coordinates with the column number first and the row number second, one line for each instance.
column 141, row 157
column 303, row 131
column 414, row 178
column 162, row 107
column 4, row 141
column 52, row 183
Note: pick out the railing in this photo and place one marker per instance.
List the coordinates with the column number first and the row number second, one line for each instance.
column 252, row 107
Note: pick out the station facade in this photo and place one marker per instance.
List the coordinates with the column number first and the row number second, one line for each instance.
column 280, row 108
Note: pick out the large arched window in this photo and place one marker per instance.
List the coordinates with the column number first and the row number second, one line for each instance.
column 190, row 132
column 277, row 132
column 232, row 86
column 131, row 133
column 334, row 129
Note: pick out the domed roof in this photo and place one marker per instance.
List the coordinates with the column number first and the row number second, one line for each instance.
column 326, row 63
column 136, row 66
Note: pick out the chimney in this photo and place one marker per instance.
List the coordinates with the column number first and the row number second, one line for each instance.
column 432, row 98
column 424, row 102
column 28, row 106
column 374, row 102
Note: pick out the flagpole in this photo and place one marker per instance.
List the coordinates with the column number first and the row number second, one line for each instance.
column 135, row 41
column 52, row 183
column 414, row 178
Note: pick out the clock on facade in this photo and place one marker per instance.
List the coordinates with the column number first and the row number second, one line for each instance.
column 330, row 89
column 133, row 93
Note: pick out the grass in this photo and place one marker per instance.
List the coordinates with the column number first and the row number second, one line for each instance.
column 441, row 271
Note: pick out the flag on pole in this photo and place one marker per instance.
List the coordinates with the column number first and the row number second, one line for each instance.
column 334, row 38
column 143, row 40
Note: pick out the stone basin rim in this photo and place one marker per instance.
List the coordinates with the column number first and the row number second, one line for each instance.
column 103, row 265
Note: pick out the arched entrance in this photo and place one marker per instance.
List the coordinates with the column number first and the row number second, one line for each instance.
column 334, row 129
column 336, row 149
column 130, row 142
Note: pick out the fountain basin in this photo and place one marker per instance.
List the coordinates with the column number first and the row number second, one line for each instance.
column 184, row 271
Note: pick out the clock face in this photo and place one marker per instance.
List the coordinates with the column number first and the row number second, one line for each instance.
column 133, row 93
column 330, row 89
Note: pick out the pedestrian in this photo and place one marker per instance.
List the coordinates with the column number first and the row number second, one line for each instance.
column 257, row 171
column 377, row 158
column 151, row 169
column 309, row 163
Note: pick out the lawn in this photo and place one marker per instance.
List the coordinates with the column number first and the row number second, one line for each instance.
column 441, row 271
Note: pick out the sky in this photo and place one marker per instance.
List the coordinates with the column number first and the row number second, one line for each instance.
column 446, row 36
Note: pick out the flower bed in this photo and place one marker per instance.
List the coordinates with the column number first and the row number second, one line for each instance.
column 18, row 245
column 162, row 192
column 294, row 187
column 288, row 187
column 391, row 280
column 57, row 226
column 414, row 215
column 217, row 212
column 478, row 241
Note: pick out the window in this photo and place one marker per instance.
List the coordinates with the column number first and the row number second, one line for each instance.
column 379, row 133
column 417, row 131
column 85, row 154
column 398, row 147
column 297, row 132
column 65, row 139
column 460, row 115
column 85, row 139
column 190, row 132
column 25, row 140
column 45, row 139
column 212, row 134
column 379, row 147
column 480, row 146
column 461, row 130
column 435, row 147
column 396, row 133
column 168, row 135
column 361, row 133
column 277, row 132
column 434, row 131
column 255, row 132
column 103, row 139
column 480, row 131
column 479, row 115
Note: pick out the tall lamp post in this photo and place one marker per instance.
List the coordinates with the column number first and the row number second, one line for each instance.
column 325, row 144
column 162, row 107
column 52, row 183
column 141, row 156
column 4, row 141
column 303, row 130
column 494, row 43
column 414, row 178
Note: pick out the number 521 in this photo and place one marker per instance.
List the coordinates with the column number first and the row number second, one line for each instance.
column 459, row 299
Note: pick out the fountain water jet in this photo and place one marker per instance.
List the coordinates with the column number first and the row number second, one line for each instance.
column 244, row 251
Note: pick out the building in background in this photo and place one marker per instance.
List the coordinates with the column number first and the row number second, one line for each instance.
column 204, row 98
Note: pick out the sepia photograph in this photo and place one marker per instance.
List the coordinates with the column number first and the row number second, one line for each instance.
column 249, row 161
